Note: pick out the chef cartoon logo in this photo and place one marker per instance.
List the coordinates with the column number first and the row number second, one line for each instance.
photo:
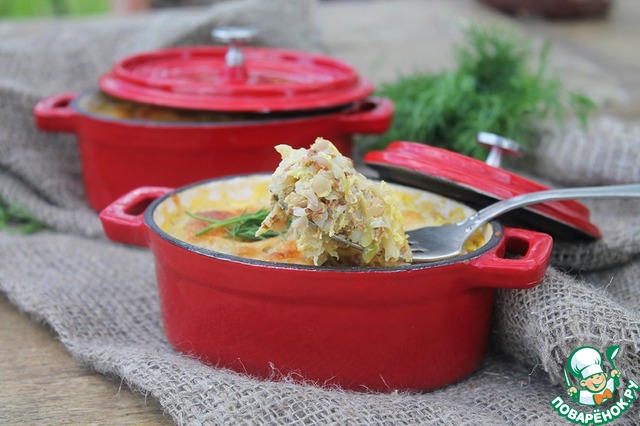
column 596, row 386
column 590, row 383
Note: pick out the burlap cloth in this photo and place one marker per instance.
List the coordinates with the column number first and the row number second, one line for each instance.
column 100, row 297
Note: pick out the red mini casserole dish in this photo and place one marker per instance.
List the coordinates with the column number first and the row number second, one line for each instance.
column 274, row 97
column 363, row 329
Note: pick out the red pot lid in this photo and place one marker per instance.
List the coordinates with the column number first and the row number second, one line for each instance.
column 264, row 80
column 478, row 184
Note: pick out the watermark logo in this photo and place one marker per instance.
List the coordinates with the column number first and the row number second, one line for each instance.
column 600, row 393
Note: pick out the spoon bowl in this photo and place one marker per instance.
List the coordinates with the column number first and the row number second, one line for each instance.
column 435, row 243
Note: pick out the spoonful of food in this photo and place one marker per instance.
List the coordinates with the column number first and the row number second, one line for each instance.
column 435, row 243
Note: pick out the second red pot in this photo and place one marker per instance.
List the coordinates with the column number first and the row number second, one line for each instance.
column 120, row 155
column 272, row 97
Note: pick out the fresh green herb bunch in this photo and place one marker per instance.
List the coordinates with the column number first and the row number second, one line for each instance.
column 16, row 218
column 495, row 88
column 243, row 227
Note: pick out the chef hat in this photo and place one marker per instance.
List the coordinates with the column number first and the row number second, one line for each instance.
column 585, row 362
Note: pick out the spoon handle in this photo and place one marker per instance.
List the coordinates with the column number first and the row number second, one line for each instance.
column 491, row 212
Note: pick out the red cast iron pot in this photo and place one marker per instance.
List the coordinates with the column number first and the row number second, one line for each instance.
column 297, row 97
column 415, row 328
column 120, row 155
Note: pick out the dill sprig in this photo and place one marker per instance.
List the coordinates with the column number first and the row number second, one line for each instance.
column 14, row 217
column 495, row 88
column 242, row 227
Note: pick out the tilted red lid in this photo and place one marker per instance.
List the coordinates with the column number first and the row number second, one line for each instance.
column 263, row 80
column 479, row 184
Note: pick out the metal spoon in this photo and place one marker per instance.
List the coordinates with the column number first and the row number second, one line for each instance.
column 435, row 243
column 443, row 242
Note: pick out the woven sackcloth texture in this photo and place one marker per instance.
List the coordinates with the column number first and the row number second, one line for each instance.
column 101, row 299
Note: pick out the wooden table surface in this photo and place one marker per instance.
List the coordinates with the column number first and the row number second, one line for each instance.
column 42, row 384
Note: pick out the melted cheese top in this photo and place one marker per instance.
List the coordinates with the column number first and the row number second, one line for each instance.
column 226, row 198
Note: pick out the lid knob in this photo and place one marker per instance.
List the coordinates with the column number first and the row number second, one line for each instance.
column 234, row 37
column 499, row 146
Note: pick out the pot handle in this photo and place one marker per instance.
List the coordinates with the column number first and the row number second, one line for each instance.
column 525, row 271
column 373, row 115
column 54, row 114
column 123, row 220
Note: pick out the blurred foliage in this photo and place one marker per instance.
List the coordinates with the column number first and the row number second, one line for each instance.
column 16, row 218
column 496, row 87
column 48, row 8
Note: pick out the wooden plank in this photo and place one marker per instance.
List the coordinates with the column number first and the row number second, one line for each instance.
column 42, row 384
